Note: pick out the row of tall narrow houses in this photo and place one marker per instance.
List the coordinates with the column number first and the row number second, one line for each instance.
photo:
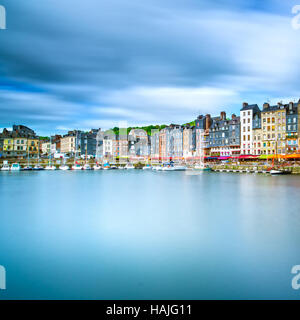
column 272, row 130
column 256, row 132
column 21, row 141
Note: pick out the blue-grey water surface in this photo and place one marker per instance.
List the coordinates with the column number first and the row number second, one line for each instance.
column 148, row 235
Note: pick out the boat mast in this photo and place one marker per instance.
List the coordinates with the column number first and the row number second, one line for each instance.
column 50, row 153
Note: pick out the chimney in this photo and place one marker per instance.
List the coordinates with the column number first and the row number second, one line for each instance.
column 245, row 104
column 207, row 121
column 223, row 115
column 265, row 106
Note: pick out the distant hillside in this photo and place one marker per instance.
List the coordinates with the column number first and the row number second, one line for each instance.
column 148, row 129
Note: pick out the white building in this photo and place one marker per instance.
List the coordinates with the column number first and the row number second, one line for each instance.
column 247, row 115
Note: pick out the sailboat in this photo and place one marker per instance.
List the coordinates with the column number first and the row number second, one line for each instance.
column 86, row 165
column 97, row 167
column 15, row 167
column 129, row 166
column 5, row 166
column 64, row 167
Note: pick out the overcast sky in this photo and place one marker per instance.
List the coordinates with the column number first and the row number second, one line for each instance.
column 88, row 64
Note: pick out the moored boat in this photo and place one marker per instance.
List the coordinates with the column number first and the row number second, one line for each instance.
column 27, row 168
column 129, row 166
column 15, row 167
column 64, row 167
column 5, row 167
column 38, row 168
column 50, row 167
column 87, row 167
column 202, row 167
column 279, row 172
column 106, row 166
column 180, row 168
column 167, row 168
column 76, row 166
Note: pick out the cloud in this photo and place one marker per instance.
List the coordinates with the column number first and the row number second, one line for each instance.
column 66, row 64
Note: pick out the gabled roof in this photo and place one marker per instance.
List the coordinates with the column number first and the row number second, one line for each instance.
column 253, row 107
column 272, row 108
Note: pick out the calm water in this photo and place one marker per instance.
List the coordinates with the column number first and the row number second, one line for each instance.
column 148, row 235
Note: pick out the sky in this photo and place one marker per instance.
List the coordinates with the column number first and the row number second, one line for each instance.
column 97, row 63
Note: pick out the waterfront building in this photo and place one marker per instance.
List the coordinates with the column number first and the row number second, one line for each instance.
column 163, row 136
column 33, row 145
column 20, row 147
column 8, row 147
column 138, row 143
column 170, row 142
column 298, row 133
column 154, row 142
column 203, row 124
column 292, row 127
column 189, row 141
column 224, row 136
column 106, row 146
column 15, row 142
column 68, row 143
column 257, row 141
column 23, row 131
column 86, row 142
column 123, row 146
column 55, row 144
column 46, row 147
column 257, row 133
column 250, row 120
column 176, row 142
column 273, row 122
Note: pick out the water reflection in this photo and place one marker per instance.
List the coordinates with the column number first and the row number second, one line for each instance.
column 138, row 235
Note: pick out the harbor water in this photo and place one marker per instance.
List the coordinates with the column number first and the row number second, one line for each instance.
column 137, row 234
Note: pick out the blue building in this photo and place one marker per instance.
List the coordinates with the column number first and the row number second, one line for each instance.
column 224, row 136
column 86, row 142
column 292, row 127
